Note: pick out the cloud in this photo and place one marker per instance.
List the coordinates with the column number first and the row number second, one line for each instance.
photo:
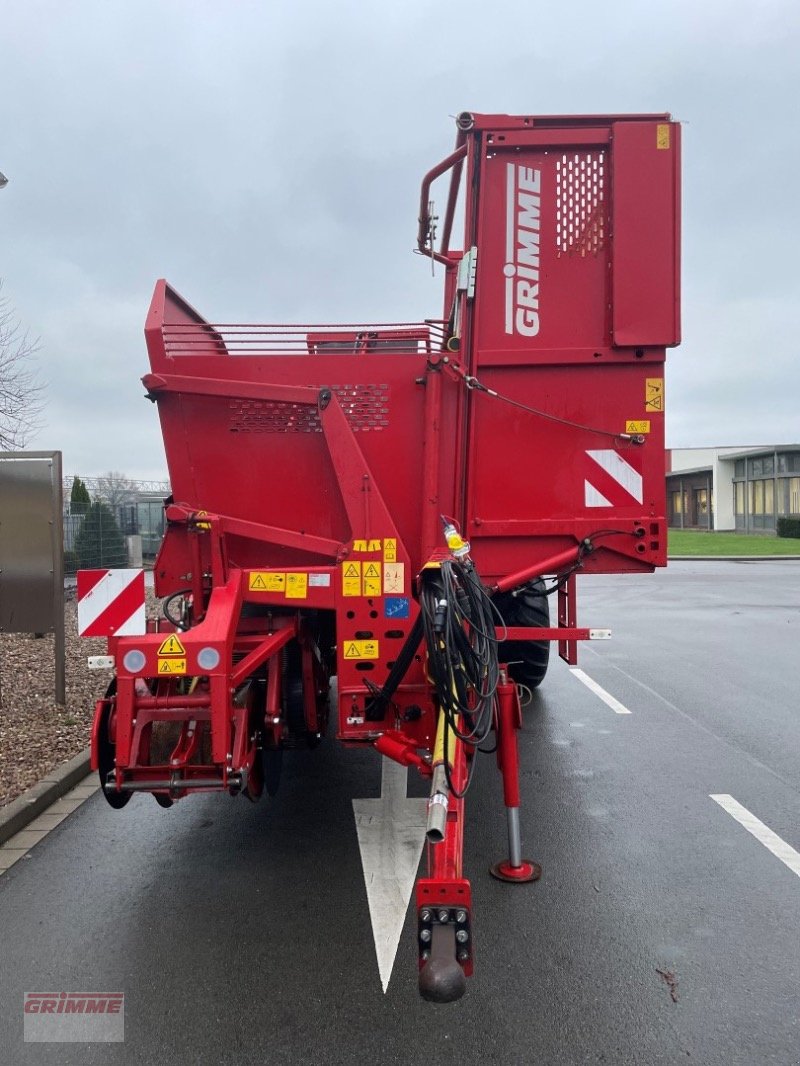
column 266, row 158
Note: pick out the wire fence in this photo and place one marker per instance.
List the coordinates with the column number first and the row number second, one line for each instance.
column 113, row 522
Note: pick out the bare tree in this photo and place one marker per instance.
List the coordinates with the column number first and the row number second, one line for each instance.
column 115, row 489
column 21, row 388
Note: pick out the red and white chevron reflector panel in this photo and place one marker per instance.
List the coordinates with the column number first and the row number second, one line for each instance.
column 111, row 603
column 611, row 481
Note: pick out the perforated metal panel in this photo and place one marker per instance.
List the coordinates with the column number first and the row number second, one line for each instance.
column 580, row 202
column 366, row 407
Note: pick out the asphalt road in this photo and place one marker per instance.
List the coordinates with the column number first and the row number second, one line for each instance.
column 240, row 934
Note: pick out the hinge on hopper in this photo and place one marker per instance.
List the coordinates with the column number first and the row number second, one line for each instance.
column 467, row 270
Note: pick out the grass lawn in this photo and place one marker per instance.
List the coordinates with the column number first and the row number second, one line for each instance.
column 689, row 542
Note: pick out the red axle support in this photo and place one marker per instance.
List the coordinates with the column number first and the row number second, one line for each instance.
column 515, row 869
column 567, row 618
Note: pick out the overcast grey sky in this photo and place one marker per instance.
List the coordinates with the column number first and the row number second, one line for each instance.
column 266, row 159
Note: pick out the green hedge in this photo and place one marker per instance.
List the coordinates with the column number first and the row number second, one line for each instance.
column 789, row 527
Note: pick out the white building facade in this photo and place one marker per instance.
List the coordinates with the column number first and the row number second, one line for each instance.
column 738, row 488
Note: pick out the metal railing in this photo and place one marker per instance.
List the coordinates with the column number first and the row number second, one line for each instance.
column 229, row 339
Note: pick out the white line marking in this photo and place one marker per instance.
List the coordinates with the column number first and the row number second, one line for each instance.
column 763, row 834
column 598, row 690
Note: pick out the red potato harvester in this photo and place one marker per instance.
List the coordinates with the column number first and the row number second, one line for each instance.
column 371, row 520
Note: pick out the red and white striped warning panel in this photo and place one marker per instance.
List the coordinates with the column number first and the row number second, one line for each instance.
column 612, row 481
column 111, row 603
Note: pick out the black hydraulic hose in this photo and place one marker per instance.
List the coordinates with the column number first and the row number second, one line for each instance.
column 376, row 707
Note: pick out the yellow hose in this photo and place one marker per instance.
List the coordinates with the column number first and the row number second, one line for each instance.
column 438, row 747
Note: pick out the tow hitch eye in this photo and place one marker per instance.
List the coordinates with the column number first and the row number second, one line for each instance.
column 445, row 949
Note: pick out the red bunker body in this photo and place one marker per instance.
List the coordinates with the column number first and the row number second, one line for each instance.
column 370, row 521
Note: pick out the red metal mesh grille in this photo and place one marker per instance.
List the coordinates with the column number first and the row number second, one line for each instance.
column 580, row 203
column 366, row 407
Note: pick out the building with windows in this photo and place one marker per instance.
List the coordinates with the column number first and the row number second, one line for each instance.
column 739, row 489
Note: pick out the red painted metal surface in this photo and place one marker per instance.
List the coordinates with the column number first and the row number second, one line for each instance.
column 311, row 467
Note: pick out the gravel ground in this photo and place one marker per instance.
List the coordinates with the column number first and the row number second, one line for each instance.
column 36, row 734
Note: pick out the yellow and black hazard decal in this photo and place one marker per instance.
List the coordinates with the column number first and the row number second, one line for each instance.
column 351, row 577
column 266, row 581
column 361, row 649
column 371, row 579
column 171, row 666
column 296, row 586
column 171, row 645
column 654, row 394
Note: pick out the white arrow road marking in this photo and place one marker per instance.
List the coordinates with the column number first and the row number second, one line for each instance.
column 391, row 832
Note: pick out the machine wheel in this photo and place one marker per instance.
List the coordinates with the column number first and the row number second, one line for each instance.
column 527, row 659
column 105, row 755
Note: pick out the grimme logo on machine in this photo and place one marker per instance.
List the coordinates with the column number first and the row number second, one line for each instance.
column 74, row 1017
column 521, row 271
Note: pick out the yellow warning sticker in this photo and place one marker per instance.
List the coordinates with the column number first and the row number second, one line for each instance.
column 266, row 581
column 640, row 426
column 390, row 550
column 654, row 394
column 172, row 666
column 296, row 586
column 171, row 646
column 366, row 545
column 351, row 578
column 394, row 578
column 662, row 135
column 372, row 579
column 361, row 649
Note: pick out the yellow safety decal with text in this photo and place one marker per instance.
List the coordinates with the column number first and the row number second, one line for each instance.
column 264, row 581
column 372, row 579
column 394, row 578
column 361, row 649
column 662, row 135
column 640, row 426
column 390, row 550
column 172, row 646
column 351, row 578
column 172, row 666
column 296, row 586
column 654, row 394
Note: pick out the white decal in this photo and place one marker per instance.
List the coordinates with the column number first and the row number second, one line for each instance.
column 629, row 479
column 593, row 498
column 521, row 270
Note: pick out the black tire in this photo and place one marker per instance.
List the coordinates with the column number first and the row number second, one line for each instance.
column 527, row 659
column 106, row 756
